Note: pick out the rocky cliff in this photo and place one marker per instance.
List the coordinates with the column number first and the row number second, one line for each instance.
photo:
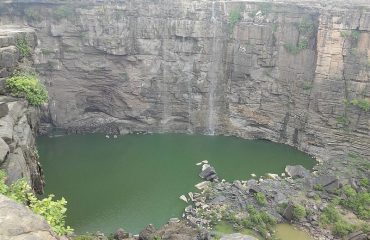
column 18, row 121
column 295, row 72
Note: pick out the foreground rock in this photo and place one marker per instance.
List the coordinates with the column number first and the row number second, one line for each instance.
column 174, row 231
column 297, row 171
column 237, row 236
column 17, row 222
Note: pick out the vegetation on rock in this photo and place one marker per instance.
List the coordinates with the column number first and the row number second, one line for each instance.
column 260, row 198
column 363, row 104
column 28, row 86
column 299, row 212
column 23, row 47
column 234, row 17
column 53, row 211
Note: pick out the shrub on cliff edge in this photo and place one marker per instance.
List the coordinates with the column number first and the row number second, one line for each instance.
column 28, row 86
column 54, row 211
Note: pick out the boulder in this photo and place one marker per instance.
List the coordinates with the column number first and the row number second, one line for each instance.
column 3, row 109
column 358, row 235
column 147, row 233
column 120, row 234
column 328, row 183
column 16, row 167
column 209, row 174
column 4, row 150
column 297, row 171
column 288, row 212
column 19, row 222
column 237, row 236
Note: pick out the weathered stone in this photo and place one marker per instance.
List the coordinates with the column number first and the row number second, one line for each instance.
column 17, row 222
column 4, row 150
column 120, row 234
column 16, row 167
column 3, row 109
column 288, row 212
column 297, row 171
column 358, row 235
column 147, row 233
column 329, row 183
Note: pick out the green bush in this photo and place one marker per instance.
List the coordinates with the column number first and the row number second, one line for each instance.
column 260, row 198
column 354, row 34
column 306, row 27
column 342, row 228
column 359, row 202
column 260, row 221
column 329, row 215
column 234, row 17
column 53, row 211
column 364, row 104
column 28, row 86
column 364, row 182
column 299, row 212
column 23, row 47
column 303, row 44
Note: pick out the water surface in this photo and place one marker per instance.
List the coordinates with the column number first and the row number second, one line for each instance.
column 134, row 180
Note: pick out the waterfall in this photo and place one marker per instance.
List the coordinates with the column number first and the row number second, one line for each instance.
column 212, row 75
column 189, row 92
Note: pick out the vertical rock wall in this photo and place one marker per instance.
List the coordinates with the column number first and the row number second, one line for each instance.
column 18, row 121
column 286, row 72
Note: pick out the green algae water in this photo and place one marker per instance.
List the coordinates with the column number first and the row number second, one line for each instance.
column 134, row 180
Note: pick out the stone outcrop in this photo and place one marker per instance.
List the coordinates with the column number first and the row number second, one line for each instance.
column 17, row 222
column 284, row 71
column 18, row 121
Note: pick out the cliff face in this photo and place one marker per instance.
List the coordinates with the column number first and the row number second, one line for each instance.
column 18, row 121
column 291, row 73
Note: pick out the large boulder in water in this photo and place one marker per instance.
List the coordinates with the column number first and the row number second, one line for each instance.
column 208, row 173
column 297, row 171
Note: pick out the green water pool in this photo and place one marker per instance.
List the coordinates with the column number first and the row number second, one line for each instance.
column 133, row 180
